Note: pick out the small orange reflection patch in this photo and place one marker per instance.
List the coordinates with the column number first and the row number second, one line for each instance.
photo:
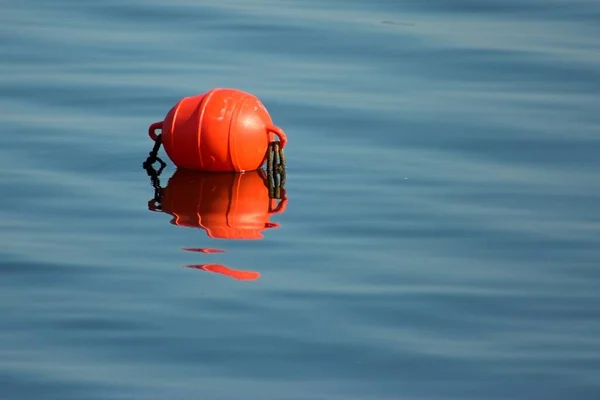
column 232, row 273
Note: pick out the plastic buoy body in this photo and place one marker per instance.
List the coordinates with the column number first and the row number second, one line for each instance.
column 221, row 130
column 225, row 205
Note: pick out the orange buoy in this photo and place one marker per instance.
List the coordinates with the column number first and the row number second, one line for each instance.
column 221, row 130
column 225, row 205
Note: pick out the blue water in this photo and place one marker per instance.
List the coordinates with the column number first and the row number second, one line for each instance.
column 441, row 238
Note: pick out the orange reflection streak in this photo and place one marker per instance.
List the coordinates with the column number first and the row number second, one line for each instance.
column 203, row 250
column 232, row 273
column 225, row 205
column 230, row 206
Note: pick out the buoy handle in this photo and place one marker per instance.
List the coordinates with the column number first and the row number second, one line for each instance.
column 279, row 132
column 152, row 130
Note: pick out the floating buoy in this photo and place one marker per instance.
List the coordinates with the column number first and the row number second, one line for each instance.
column 220, row 130
column 225, row 205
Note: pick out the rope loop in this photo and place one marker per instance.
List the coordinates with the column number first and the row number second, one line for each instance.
column 153, row 155
column 276, row 171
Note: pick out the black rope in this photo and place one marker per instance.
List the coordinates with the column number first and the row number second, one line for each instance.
column 148, row 165
column 156, row 202
column 276, row 171
column 153, row 155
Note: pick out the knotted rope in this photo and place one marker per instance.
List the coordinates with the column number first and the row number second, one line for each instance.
column 276, row 171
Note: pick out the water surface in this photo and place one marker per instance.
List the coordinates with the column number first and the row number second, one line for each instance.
column 440, row 237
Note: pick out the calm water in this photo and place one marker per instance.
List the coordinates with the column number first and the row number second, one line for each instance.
column 441, row 235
